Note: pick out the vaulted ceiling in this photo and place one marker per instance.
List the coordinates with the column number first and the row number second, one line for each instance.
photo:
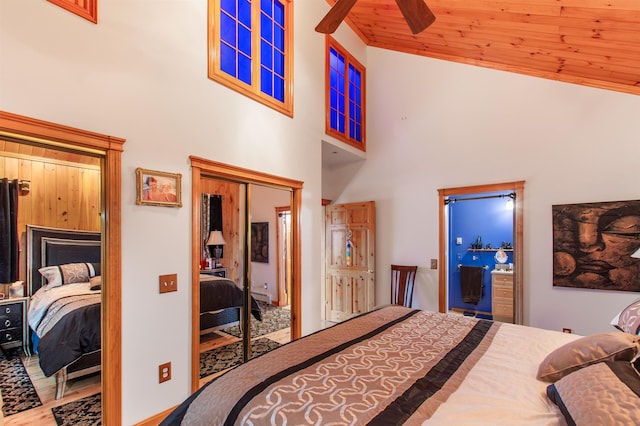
column 590, row 42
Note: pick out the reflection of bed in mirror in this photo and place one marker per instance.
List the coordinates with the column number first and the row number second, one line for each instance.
column 220, row 304
column 64, row 310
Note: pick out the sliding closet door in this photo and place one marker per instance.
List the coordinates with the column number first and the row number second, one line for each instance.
column 248, row 221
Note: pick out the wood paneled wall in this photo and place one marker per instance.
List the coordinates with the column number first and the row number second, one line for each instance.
column 231, row 226
column 64, row 189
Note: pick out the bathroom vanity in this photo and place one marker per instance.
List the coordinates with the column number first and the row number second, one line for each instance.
column 502, row 295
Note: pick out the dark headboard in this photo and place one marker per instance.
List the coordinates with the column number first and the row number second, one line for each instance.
column 53, row 246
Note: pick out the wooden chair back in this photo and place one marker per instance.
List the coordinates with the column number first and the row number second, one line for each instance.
column 402, row 279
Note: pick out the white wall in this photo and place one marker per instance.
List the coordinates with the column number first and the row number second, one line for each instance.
column 434, row 124
column 141, row 74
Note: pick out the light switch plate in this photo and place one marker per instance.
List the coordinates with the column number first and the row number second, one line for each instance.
column 434, row 263
column 168, row 283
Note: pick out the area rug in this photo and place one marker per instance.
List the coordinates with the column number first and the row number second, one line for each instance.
column 18, row 393
column 273, row 319
column 86, row 412
column 228, row 356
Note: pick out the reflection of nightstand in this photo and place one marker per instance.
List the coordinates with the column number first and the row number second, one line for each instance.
column 13, row 323
column 217, row 272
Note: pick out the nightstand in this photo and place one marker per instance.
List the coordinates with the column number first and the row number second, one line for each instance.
column 13, row 324
column 217, row 272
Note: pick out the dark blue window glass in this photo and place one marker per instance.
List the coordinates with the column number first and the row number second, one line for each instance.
column 228, row 6
column 278, row 88
column 278, row 37
column 228, row 30
column 244, row 69
column 228, row 60
column 333, row 99
column 334, row 119
column 278, row 63
column 266, row 55
column 266, row 27
column 244, row 40
column 244, row 13
column 278, row 13
column 266, row 81
column 238, row 33
column 266, row 7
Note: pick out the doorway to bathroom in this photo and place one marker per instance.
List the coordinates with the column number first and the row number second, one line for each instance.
column 481, row 249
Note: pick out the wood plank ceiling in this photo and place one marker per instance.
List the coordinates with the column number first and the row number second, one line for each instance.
column 590, row 42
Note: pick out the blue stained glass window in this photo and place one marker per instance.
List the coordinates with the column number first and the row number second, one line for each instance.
column 278, row 88
column 266, row 28
column 266, row 81
column 244, row 69
column 228, row 60
column 278, row 63
column 228, row 6
column 238, row 32
column 266, row 6
column 244, row 40
column 278, row 13
column 244, row 13
column 345, row 92
column 278, row 37
column 333, row 100
column 266, row 55
column 228, row 30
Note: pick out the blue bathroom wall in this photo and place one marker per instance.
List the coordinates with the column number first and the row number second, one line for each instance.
column 493, row 222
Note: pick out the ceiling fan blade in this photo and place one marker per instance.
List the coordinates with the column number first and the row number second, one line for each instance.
column 335, row 16
column 417, row 14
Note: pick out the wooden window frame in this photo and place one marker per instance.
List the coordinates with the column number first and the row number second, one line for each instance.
column 87, row 9
column 349, row 60
column 252, row 91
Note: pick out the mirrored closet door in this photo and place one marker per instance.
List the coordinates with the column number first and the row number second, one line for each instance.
column 245, row 271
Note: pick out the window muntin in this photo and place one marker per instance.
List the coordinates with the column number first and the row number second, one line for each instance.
column 250, row 49
column 345, row 96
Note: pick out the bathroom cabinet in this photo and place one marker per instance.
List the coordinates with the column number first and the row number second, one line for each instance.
column 502, row 295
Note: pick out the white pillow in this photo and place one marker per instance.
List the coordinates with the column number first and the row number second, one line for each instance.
column 68, row 273
column 628, row 320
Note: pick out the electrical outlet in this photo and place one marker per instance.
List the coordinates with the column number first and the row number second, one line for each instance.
column 164, row 372
column 266, row 286
column 434, row 263
column 567, row 330
column 168, row 283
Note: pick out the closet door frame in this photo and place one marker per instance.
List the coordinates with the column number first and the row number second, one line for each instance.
column 201, row 167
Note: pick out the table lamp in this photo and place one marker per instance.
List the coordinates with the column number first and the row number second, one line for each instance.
column 216, row 239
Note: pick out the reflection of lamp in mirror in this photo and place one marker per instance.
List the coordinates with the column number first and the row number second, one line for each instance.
column 216, row 239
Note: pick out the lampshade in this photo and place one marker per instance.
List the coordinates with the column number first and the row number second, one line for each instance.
column 216, row 239
column 636, row 254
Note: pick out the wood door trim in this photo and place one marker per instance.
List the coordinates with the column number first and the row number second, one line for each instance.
column 518, row 253
column 109, row 148
column 201, row 167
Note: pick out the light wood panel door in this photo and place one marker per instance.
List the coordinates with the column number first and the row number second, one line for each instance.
column 350, row 260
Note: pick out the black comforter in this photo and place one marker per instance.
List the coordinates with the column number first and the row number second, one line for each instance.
column 217, row 294
column 74, row 334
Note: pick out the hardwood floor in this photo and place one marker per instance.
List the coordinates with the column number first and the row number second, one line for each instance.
column 45, row 387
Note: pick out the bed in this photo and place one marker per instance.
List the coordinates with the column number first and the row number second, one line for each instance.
column 396, row 365
column 63, row 282
column 220, row 304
